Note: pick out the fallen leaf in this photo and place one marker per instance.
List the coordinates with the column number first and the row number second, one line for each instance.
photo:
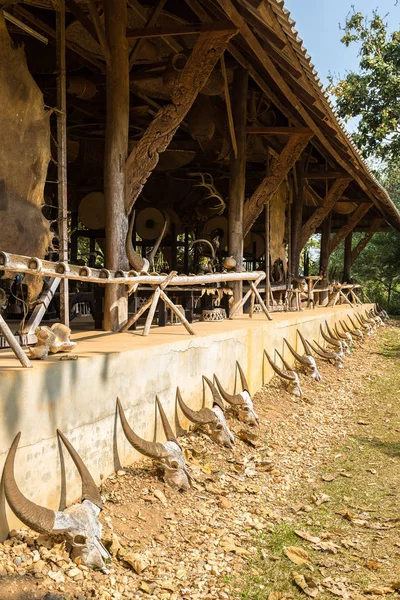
column 329, row 547
column 379, row 591
column 337, row 588
column 306, row 536
column 318, row 500
column 297, row 555
column 161, row 497
column 301, row 582
column 372, row 565
column 248, row 437
column 328, row 478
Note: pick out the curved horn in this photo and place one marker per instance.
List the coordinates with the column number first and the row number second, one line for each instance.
column 363, row 326
column 201, row 417
column 330, row 341
column 284, row 362
column 169, row 434
column 234, row 399
column 150, row 449
column 326, row 353
column 297, row 356
column 243, row 379
column 89, row 488
column 156, row 246
column 138, row 263
column 204, row 242
column 339, row 335
column 36, row 517
column 345, row 327
column 352, row 322
column 330, row 332
column 306, row 345
column 277, row 370
column 216, row 397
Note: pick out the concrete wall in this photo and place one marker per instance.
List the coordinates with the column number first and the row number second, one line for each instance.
column 79, row 397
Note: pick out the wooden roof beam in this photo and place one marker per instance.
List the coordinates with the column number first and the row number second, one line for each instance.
column 260, row 130
column 267, row 188
column 151, row 21
column 325, row 174
column 352, row 222
column 323, row 211
column 172, row 30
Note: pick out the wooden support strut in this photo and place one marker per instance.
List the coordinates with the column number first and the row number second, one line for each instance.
column 352, row 222
column 322, row 212
column 267, row 188
column 362, row 244
column 14, row 345
column 145, row 155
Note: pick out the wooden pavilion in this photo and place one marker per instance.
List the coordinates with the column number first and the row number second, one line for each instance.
column 205, row 117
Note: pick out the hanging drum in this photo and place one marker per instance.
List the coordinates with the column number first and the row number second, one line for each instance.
column 254, row 244
column 92, row 211
column 149, row 223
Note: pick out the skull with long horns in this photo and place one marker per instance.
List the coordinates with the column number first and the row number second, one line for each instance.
column 241, row 402
column 335, row 336
column 289, row 375
column 334, row 358
column 307, row 361
column 211, row 418
column 79, row 523
column 168, row 455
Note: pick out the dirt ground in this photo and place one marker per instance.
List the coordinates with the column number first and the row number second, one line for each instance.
column 311, row 509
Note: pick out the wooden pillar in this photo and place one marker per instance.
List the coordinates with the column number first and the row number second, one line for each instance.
column 347, row 257
column 116, row 151
column 62, row 158
column 267, row 257
column 238, row 175
column 297, row 219
column 325, row 253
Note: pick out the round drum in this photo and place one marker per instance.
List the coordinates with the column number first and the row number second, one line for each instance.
column 149, row 223
column 92, row 211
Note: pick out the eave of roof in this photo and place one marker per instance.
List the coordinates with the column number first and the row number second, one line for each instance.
column 272, row 14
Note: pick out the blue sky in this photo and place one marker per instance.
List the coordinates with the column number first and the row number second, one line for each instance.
column 318, row 25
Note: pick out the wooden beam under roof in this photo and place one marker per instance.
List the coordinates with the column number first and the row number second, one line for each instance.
column 172, row 30
column 261, row 130
column 325, row 174
column 149, row 23
column 141, row 12
column 375, row 226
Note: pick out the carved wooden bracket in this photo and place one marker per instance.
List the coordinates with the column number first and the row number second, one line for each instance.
column 144, row 157
column 319, row 215
column 352, row 222
column 267, row 188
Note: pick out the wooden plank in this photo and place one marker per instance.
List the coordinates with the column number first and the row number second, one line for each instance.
column 322, row 212
column 145, row 155
column 172, row 30
column 116, row 150
column 352, row 222
column 237, row 179
column 297, row 217
column 82, row 18
column 62, row 220
column 260, row 130
column 142, row 14
column 264, row 192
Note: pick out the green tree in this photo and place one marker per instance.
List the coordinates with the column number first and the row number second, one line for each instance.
column 373, row 93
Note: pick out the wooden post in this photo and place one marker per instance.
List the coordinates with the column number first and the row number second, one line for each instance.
column 347, row 258
column 116, row 150
column 324, row 256
column 237, row 182
column 267, row 257
column 62, row 157
column 14, row 345
column 352, row 222
column 297, row 218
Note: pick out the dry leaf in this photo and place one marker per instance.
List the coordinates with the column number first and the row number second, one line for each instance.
column 337, row 588
column 276, row 596
column 329, row 547
column 318, row 500
column 248, row 437
column 306, row 536
column 372, row 565
column 379, row 591
column 328, row 478
column 301, row 582
column 297, row 555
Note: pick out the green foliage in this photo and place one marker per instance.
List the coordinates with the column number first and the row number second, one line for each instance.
column 373, row 93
